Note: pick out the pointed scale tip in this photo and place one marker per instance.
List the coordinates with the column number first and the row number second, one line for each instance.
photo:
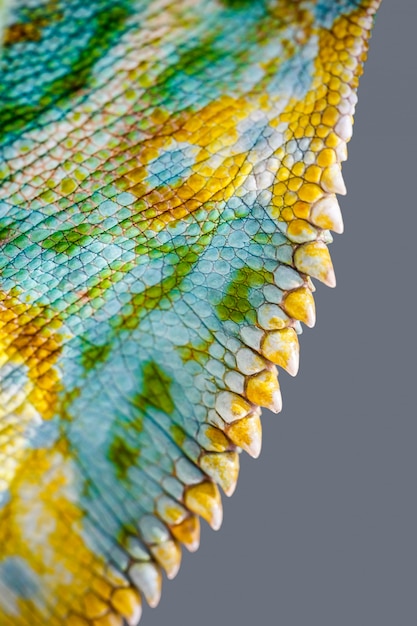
column 332, row 180
column 188, row 532
column 299, row 304
column 247, row 434
column 148, row 578
column 263, row 390
column 168, row 555
column 223, row 468
column 204, row 499
column 128, row 603
column 326, row 214
column 282, row 348
column 314, row 259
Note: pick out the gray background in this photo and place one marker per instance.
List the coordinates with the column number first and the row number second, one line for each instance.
column 322, row 528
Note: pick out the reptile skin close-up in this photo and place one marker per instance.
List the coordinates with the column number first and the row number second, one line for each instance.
column 169, row 177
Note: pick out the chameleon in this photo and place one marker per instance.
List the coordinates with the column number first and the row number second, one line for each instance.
column 169, row 173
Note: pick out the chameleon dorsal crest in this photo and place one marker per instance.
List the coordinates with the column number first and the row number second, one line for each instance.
column 170, row 173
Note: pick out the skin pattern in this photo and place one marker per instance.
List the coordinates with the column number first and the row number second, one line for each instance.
column 169, row 173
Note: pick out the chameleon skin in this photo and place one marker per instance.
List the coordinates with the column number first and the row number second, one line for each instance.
column 169, row 173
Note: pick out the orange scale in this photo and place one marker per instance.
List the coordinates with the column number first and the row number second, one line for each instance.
column 322, row 131
column 290, row 198
column 332, row 140
column 287, row 214
column 302, row 209
column 299, row 133
column 298, row 168
column 295, row 183
column 313, row 174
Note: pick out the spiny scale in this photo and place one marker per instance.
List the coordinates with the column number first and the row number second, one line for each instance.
column 169, row 172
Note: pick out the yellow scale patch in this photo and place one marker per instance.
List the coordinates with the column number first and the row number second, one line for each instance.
column 31, row 344
column 337, row 72
column 213, row 129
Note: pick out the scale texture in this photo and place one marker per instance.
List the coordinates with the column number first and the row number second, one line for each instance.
column 168, row 177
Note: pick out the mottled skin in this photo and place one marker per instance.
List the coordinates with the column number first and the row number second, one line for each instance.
column 169, row 172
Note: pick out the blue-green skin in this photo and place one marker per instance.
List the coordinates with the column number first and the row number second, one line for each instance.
column 149, row 318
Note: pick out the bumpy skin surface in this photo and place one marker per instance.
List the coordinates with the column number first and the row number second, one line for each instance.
column 168, row 172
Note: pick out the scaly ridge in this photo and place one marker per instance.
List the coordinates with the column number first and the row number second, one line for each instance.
column 161, row 275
